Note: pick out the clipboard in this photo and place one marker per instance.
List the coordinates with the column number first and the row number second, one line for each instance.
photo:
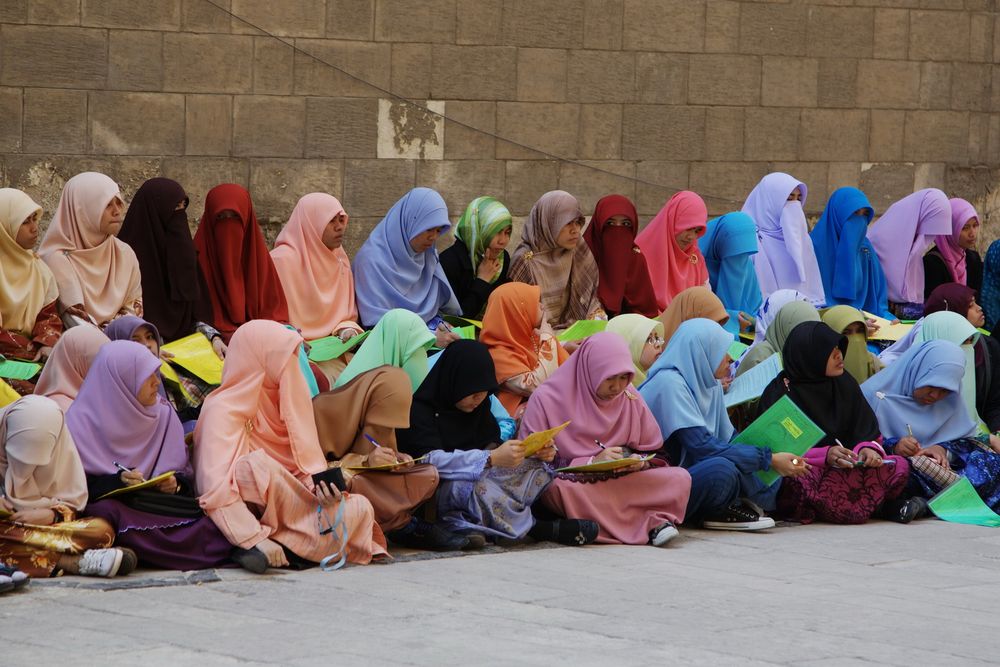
column 149, row 483
column 534, row 442
column 605, row 466
column 331, row 347
column 387, row 466
column 194, row 353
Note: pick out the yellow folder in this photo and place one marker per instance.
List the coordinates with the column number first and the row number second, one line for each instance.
column 148, row 484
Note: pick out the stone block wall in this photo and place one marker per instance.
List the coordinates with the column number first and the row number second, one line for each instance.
column 641, row 97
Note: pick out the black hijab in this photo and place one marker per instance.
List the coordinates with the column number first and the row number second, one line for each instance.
column 173, row 298
column 836, row 404
column 464, row 368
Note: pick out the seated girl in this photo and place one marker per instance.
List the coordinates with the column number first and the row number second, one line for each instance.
column 487, row 487
column 477, row 263
column 671, row 239
column 241, row 279
column 44, row 487
column 68, row 364
column 29, row 322
column 126, row 433
column 684, row 393
column 638, row 504
column 398, row 266
column 624, row 285
column 851, row 476
column 729, row 245
column 645, row 341
column 357, row 425
column 790, row 316
column 255, row 452
column 523, row 346
column 553, row 256
column 97, row 274
column 859, row 362
column 400, row 339
column 691, row 303
column 954, row 259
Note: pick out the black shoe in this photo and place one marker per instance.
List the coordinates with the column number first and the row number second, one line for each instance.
column 476, row 541
column 904, row 511
column 738, row 516
column 420, row 534
column 571, row 532
column 252, row 560
column 130, row 561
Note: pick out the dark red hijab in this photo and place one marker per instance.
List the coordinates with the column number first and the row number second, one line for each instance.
column 242, row 281
column 624, row 285
column 957, row 298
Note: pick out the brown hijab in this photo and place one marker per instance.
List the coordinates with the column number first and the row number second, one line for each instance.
column 689, row 304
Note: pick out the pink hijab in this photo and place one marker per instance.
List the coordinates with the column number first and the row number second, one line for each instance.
column 953, row 253
column 674, row 270
column 91, row 267
column 68, row 364
column 317, row 281
column 571, row 393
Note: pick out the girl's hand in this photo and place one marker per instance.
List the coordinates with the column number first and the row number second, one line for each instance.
column 870, row 458
column 327, row 495
column 381, row 456
column 347, row 333
column 219, row 347
column 907, row 446
column 839, row 457
column 35, row 517
column 508, row 455
column 937, row 454
column 275, row 554
column 168, row 486
column 610, row 454
column 789, row 465
column 546, row 453
column 131, row 477
column 406, row 460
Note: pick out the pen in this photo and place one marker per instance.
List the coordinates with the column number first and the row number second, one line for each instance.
column 124, row 469
column 371, row 440
column 850, row 461
column 909, row 431
column 599, row 444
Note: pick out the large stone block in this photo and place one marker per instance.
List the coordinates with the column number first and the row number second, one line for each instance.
column 993, row 149
column 892, row 33
column 771, row 134
column 541, row 75
column 935, row 85
column 199, row 175
column 208, row 63
column 657, row 182
column 936, row 136
column 527, row 180
column 662, row 78
column 147, row 14
column 407, row 21
column 52, row 56
column 371, row 187
column 600, row 131
column 273, row 67
column 886, row 183
column 773, row 29
column 474, row 72
column 653, row 132
column 350, row 19
column 315, row 76
column 135, row 60
column 844, row 174
column 723, row 35
column 288, row 18
column 341, row 127
column 268, row 126
column 885, row 141
column 725, row 185
column 888, row 84
column 277, row 185
column 412, row 66
column 664, row 25
column 724, row 79
column 834, row 135
column 10, row 111
column 201, row 16
column 840, row 32
column 939, row 35
column 995, row 97
column 589, row 181
column 552, row 24
column 55, row 121
column 602, row 24
column 552, row 128
column 461, row 181
column 724, row 133
column 838, row 83
column 981, row 38
column 208, row 125
column 14, row 11
column 789, row 82
column 971, row 86
column 54, row 12
column 136, row 123
column 479, row 22
column 979, row 138
column 601, row 76
column 468, row 135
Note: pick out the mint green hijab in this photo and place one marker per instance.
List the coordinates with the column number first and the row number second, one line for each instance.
column 950, row 326
column 400, row 339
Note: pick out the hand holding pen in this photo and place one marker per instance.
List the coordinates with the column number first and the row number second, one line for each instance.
column 128, row 476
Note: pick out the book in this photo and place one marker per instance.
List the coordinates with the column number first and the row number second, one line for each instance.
column 194, row 353
column 387, row 466
column 887, row 330
column 18, row 370
column 604, row 466
column 751, row 385
column 737, row 349
column 582, row 329
column 784, row 428
column 7, row 394
column 331, row 347
column 148, row 484
column 961, row 503
column 534, row 442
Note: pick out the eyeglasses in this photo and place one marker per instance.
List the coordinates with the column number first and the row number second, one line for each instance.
column 655, row 340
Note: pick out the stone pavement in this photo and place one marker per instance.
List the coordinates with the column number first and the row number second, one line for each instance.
column 925, row 594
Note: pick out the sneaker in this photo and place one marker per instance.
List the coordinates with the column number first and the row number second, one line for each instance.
column 17, row 578
column 101, row 562
column 662, row 534
column 738, row 516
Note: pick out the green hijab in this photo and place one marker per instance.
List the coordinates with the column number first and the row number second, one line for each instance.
column 858, row 361
column 950, row 326
column 484, row 218
column 400, row 339
column 635, row 329
column 790, row 316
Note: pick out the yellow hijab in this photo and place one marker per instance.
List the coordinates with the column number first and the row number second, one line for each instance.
column 26, row 283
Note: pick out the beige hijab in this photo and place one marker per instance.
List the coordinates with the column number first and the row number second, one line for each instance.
column 689, row 304
column 68, row 364
column 91, row 267
column 26, row 283
column 38, row 460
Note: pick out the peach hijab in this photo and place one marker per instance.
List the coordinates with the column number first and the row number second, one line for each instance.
column 317, row 281
column 90, row 266
column 68, row 364
column 26, row 283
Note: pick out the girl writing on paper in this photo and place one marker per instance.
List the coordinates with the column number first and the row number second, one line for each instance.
column 478, row 262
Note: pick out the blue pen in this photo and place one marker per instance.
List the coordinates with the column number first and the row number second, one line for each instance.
column 371, row 440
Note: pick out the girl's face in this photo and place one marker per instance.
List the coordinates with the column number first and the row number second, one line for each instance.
column 855, row 328
column 500, row 241
column 333, row 234
column 569, row 235
column 540, row 316
column 976, row 316
column 722, row 371
column 651, row 351
column 688, row 236
column 614, row 386
column 970, row 234
column 144, row 336
column 425, row 241
column 835, row 363
column 27, row 233
column 471, row 402
column 111, row 219
column 796, row 194
column 148, row 394
column 929, row 395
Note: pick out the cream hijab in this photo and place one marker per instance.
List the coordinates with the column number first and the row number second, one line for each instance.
column 636, row 330
column 63, row 374
column 26, row 283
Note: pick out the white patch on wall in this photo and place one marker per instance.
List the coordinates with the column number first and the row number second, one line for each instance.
column 409, row 131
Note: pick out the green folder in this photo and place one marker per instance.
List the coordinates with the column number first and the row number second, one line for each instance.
column 331, row 347
column 18, row 370
column 737, row 349
column 582, row 329
column 784, row 428
column 960, row 503
column 466, row 332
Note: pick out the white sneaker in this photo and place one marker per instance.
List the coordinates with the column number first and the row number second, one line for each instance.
column 100, row 562
column 738, row 517
column 662, row 534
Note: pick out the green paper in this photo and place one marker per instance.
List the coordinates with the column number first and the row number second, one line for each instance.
column 19, row 370
column 784, row 428
column 960, row 503
column 331, row 347
column 737, row 349
column 582, row 329
column 467, row 332
column 751, row 385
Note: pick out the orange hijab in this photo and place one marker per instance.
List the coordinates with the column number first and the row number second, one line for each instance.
column 317, row 281
column 671, row 269
column 509, row 329
column 689, row 304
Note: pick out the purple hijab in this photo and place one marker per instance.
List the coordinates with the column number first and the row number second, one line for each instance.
column 109, row 424
column 901, row 237
column 123, row 327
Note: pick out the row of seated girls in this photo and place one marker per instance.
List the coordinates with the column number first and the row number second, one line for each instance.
column 446, row 417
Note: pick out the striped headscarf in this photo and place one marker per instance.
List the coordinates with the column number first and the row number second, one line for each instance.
column 484, row 218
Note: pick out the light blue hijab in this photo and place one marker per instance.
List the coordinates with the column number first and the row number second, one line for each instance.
column 389, row 274
column 729, row 244
column 681, row 389
column 936, row 363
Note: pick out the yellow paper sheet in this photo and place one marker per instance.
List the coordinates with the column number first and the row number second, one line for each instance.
column 149, row 483
column 195, row 354
column 387, row 466
column 886, row 330
column 536, row 441
column 604, row 466
column 7, row 394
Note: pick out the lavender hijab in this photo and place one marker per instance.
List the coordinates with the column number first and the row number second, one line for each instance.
column 108, row 423
column 901, row 237
column 122, row 328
